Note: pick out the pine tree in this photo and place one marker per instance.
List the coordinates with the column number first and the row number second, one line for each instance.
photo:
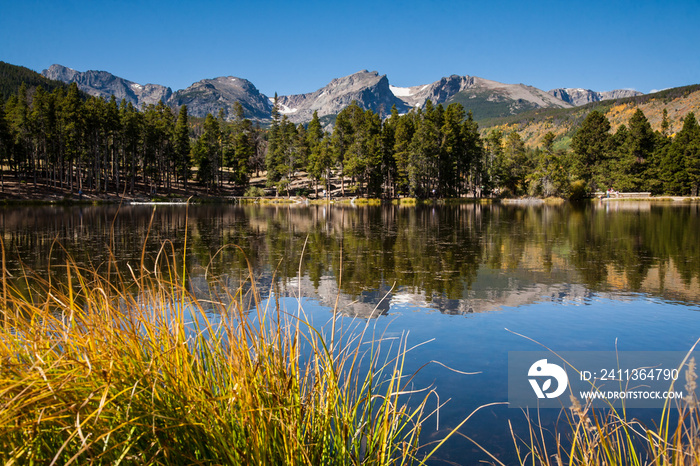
column 678, row 173
column 403, row 136
column 689, row 145
column 342, row 139
column 89, row 163
column 641, row 144
column 240, row 151
column 157, row 144
column 4, row 145
column 72, row 125
column 495, row 169
column 182, row 146
column 388, row 139
column 315, row 164
column 17, row 109
column 274, row 146
column 425, row 152
column 362, row 159
column 244, row 150
column 207, row 153
column 591, row 147
column 474, row 154
column 113, row 128
column 616, row 170
column 288, row 157
column 665, row 124
column 131, row 129
column 370, row 138
column 43, row 128
column 656, row 169
column 515, row 164
column 453, row 163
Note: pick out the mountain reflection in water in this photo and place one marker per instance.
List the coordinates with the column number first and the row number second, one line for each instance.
column 462, row 259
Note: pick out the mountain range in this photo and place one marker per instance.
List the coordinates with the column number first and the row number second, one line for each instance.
column 578, row 97
column 485, row 98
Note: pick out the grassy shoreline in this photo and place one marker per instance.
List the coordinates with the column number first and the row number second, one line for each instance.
column 97, row 371
column 17, row 193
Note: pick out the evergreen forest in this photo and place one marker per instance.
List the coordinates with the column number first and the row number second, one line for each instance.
column 62, row 138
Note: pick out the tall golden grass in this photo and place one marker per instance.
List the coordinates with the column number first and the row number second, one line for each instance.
column 114, row 369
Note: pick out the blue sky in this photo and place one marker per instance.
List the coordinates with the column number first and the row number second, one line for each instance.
column 297, row 47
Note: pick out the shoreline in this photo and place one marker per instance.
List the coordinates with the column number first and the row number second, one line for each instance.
column 19, row 193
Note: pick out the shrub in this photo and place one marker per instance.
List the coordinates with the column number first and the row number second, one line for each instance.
column 578, row 190
column 254, row 191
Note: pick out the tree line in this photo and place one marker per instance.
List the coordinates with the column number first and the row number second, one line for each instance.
column 429, row 152
column 66, row 140
column 636, row 158
column 440, row 152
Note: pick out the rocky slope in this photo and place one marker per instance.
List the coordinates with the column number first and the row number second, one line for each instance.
column 212, row 95
column 533, row 126
column 485, row 98
column 578, row 97
column 438, row 92
column 104, row 84
column 367, row 88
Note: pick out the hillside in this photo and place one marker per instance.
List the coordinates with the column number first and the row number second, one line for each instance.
column 12, row 77
column 533, row 125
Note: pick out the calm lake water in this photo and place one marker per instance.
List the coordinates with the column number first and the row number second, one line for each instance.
column 466, row 279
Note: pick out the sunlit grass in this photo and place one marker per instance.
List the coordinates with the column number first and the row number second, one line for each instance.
column 137, row 370
column 406, row 201
column 367, row 201
column 552, row 200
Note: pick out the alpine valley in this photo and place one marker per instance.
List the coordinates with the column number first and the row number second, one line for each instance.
column 485, row 98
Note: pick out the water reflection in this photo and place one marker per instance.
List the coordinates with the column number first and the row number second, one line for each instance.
column 596, row 277
column 461, row 259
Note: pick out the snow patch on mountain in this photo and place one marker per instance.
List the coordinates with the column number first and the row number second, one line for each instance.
column 284, row 110
column 400, row 91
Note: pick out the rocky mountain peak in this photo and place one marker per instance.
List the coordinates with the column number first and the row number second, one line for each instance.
column 485, row 97
column 104, row 84
column 59, row 73
column 577, row 96
column 368, row 88
column 212, row 95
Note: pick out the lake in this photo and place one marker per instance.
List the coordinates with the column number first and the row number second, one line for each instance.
column 470, row 281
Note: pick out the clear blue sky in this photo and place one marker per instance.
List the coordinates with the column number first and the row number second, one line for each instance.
column 299, row 46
